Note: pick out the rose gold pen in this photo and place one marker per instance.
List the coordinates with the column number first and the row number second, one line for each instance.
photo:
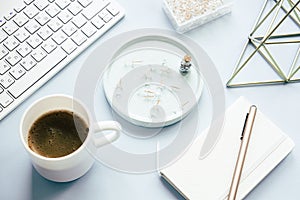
column 245, row 138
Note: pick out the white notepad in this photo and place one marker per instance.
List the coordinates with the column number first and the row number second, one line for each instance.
column 211, row 177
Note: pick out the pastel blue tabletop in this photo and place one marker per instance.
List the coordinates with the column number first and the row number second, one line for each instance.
column 223, row 40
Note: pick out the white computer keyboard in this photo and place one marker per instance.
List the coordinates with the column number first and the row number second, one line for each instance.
column 40, row 37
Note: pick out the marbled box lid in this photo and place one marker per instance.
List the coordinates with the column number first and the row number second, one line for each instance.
column 188, row 14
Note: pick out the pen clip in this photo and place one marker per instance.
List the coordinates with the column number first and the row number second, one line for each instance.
column 244, row 126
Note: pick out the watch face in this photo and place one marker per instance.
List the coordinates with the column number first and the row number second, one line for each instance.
column 152, row 83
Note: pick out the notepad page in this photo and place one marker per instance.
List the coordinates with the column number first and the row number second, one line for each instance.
column 210, row 178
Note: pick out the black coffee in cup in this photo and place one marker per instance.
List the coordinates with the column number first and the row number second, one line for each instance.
column 57, row 133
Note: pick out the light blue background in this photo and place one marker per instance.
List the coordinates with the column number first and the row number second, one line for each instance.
column 223, row 40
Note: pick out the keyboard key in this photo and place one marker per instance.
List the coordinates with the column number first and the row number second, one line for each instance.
column 17, row 72
column 44, row 32
column 41, row 4
column 113, row 9
column 31, row 11
column 69, row 46
column 42, row 18
column 19, row 7
column 21, row 19
column 59, row 37
column 49, row 45
column 107, row 18
column 69, row 29
column 97, row 22
column 5, row 99
column 65, row 16
column 10, row 15
column 36, row 73
column 79, row 38
column 62, row 3
column 75, row 8
column 88, row 29
column 6, row 80
column 103, row 13
column 23, row 49
column 10, row 27
column 32, row 26
column 55, row 24
column 52, row 10
column 3, row 51
column 28, row 63
column 4, row 67
column 79, row 21
column 38, row 54
column 34, row 41
column 28, row 1
column 3, row 36
column 13, row 58
column 94, row 9
column 85, row 3
column 11, row 43
column 22, row 34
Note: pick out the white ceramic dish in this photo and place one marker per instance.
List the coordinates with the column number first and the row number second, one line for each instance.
column 143, row 84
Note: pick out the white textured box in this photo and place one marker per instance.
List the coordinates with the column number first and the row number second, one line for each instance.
column 188, row 14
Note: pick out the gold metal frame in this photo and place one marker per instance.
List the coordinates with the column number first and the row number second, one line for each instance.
column 260, row 43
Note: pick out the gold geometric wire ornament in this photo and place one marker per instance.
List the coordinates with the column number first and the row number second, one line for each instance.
column 270, row 39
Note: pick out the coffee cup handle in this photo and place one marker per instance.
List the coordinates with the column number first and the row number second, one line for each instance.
column 114, row 129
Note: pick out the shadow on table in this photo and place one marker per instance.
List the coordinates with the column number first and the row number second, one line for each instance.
column 43, row 189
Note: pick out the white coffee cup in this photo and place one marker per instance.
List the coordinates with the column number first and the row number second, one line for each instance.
column 76, row 164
